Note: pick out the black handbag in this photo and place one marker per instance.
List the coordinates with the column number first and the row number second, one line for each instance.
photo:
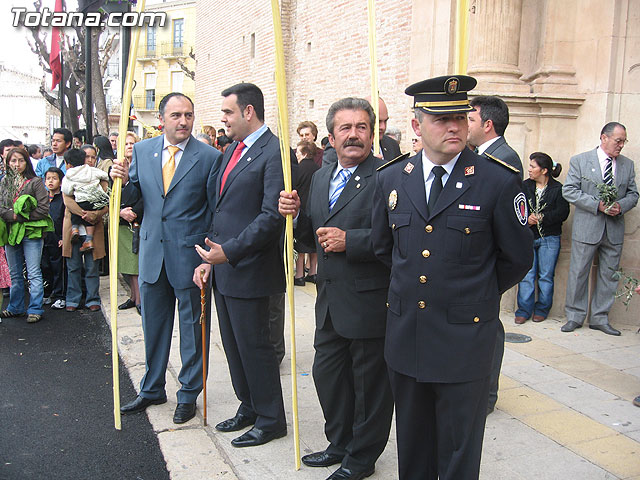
column 135, row 237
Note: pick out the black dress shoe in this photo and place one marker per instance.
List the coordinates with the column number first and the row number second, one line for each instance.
column 344, row 473
column 311, row 278
column 255, row 437
column 606, row 328
column 184, row 412
column 298, row 282
column 140, row 404
column 126, row 305
column 321, row 459
column 236, row 423
column 570, row 326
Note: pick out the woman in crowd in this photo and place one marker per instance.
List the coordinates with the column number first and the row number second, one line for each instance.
column 15, row 186
column 130, row 218
column 105, row 153
column 305, row 152
column 547, row 210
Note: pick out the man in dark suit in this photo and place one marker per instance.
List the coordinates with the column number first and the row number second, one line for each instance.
column 348, row 369
column 175, row 176
column 597, row 228
column 487, row 124
column 389, row 148
column 453, row 228
column 244, row 247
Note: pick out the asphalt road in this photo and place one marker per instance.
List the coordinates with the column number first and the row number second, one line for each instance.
column 56, row 404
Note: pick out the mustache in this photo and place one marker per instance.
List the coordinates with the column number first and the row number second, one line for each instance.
column 353, row 143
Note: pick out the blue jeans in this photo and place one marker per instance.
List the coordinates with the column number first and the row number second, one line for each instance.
column 74, row 278
column 545, row 257
column 29, row 251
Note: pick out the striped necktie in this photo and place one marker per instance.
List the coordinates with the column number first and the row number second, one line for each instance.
column 608, row 172
column 345, row 175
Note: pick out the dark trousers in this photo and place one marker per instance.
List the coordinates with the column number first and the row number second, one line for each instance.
column 53, row 272
column 498, row 353
column 439, row 427
column 276, row 324
column 353, row 388
column 255, row 375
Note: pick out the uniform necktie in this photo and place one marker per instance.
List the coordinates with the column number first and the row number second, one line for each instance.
column 345, row 175
column 169, row 168
column 436, row 187
column 608, row 172
column 232, row 163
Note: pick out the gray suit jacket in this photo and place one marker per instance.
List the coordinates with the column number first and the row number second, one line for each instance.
column 174, row 223
column 579, row 189
column 501, row 150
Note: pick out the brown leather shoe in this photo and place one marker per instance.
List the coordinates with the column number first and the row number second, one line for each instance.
column 75, row 234
column 538, row 318
column 520, row 320
column 86, row 246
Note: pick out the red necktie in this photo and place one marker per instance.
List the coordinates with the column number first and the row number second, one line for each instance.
column 232, row 163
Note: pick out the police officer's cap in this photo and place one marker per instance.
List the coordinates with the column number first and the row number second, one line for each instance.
column 439, row 95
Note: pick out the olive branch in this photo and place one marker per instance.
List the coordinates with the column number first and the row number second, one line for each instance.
column 536, row 209
column 608, row 194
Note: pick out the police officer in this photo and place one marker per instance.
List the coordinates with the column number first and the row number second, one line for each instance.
column 453, row 228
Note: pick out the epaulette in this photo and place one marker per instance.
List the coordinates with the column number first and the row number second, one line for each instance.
column 504, row 164
column 397, row 159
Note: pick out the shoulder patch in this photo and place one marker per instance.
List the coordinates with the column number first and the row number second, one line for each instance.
column 504, row 164
column 397, row 159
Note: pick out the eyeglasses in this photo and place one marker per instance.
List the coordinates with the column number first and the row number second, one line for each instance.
column 620, row 141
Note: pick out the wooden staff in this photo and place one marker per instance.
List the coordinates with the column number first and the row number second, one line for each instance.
column 283, row 134
column 114, row 220
column 462, row 26
column 203, row 323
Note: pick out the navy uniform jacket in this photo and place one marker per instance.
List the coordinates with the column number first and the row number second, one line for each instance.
column 449, row 268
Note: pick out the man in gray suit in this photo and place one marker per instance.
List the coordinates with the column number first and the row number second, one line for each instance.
column 349, row 370
column 597, row 228
column 487, row 124
column 175, row 176
column 486, row 130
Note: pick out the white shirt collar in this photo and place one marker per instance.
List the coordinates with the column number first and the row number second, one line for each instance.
column 487, row 144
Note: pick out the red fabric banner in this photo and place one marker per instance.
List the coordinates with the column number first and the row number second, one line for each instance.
column 54, row 55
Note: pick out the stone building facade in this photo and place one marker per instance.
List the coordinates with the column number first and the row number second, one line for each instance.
column 564, row 68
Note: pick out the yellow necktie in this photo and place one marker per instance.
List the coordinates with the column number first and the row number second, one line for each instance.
column 170, row 167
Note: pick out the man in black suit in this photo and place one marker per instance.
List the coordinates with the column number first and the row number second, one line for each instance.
column 453, row 228
column 349, row 368
column 245, row 250
column 389, row 148
column 487, row 124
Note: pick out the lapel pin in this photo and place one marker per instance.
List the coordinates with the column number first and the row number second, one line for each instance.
column 593, row 169
column 408, row 168
column 358, row 185
column 249, row 159
column 155, row 154
column 393, row 199
column 458, row 184
column 357, row 178
column 470, row 170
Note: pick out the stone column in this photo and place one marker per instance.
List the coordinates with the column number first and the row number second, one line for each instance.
column 494, row 45
column 554, row 72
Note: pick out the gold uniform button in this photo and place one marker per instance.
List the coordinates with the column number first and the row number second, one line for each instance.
column 393, row 226
column 421, row 304
column 476, row 319
column 467, row 230
column 428, row 229
column 426, row 253
column 423, row 279
column 387, row 304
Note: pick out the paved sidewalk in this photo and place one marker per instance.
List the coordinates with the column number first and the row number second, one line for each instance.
column 564, row 408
